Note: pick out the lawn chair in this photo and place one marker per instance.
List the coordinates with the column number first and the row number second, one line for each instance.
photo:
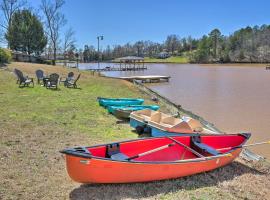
column 40, row 75
column 16, row 74
column 70, row 76
column 72, row 82
column 52, row 81
column 23, row 81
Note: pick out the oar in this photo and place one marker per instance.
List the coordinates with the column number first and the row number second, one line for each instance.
column 150, row 151
column 187, row 147
column 247, row 145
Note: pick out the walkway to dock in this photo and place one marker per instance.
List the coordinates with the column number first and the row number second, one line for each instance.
column 147, row 79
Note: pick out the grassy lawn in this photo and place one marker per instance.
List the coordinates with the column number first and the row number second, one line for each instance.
column 173, row 59
column 35, row 123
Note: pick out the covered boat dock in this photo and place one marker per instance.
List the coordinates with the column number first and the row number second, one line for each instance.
column 131, row 63
column 128, row 63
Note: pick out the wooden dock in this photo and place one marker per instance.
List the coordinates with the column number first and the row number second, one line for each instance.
column 147, row 79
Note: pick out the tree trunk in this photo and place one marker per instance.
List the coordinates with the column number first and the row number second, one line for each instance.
column 54, row 56
column 65, row 62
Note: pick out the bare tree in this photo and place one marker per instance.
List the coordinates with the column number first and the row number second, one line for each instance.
column 69, row 41
column 8, row 8
column 2, row 36
column 55, row 20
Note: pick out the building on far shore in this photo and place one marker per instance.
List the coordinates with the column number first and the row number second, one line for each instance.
column 163, row 55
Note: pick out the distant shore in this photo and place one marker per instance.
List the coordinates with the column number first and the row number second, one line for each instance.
column 185, row 60
column 203, row 64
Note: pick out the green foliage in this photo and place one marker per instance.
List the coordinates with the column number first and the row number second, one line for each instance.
column 48, row 62
column 5, row 56
column 203, row 52
column 245, row 45
column 26, row 33
column 172, row 59
column 215, row 39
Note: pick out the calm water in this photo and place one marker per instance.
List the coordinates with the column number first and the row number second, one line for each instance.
column 234, row 98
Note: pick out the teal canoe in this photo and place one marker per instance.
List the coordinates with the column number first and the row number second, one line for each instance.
column 112, row 109
column 119, row 101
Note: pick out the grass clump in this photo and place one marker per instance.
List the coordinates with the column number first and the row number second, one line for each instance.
column 172, row 59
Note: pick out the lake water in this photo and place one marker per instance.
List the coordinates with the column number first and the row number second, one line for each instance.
column 234, row 98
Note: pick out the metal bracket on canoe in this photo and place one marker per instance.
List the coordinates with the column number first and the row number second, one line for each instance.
column 78, row 151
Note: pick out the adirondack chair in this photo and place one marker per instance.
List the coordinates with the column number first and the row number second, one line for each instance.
column 23, row 81
column 40, row 75
column 16, row 74
column 52, row 82
column 70, row 76
column 72, row 82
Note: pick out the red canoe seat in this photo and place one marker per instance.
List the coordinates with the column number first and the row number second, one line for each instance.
column 197, row 145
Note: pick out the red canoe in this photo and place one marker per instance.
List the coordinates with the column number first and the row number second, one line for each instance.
column 151, row 159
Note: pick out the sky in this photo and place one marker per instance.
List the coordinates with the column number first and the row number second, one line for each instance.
column 122, row 21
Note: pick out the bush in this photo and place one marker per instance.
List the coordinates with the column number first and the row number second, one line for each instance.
column 47, row 62
column 5, row 56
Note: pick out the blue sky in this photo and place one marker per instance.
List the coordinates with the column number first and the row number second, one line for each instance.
column 122, row 21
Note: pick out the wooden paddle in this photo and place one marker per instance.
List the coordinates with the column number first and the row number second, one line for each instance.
column 150, row 151
column 247, row 145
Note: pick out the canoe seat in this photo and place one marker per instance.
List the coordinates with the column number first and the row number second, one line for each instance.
column 119, row 156
column 202, row 148
column 113, row 152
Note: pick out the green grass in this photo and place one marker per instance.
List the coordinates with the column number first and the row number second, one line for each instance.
column 172, row 59
column 70, row 109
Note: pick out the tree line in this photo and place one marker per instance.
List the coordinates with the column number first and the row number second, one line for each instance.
column 173, row 45
column 247, row 45
column 43, row 35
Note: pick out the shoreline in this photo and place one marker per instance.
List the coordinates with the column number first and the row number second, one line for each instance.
column 187, row 63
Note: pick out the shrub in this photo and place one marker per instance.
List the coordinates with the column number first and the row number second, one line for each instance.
column 47, row 62
column 5, row 56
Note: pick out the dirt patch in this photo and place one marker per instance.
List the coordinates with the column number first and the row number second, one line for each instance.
column 31, row 163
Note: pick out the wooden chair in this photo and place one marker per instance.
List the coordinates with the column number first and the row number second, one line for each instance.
column 40, row 75
column 72, row 82
column 23, row 81
column 52, row 82
column 69, row 77
column 16, row 74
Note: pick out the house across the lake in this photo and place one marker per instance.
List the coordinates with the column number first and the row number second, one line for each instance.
column 163, row 55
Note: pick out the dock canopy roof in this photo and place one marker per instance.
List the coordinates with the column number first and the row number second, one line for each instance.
column 130, row 58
